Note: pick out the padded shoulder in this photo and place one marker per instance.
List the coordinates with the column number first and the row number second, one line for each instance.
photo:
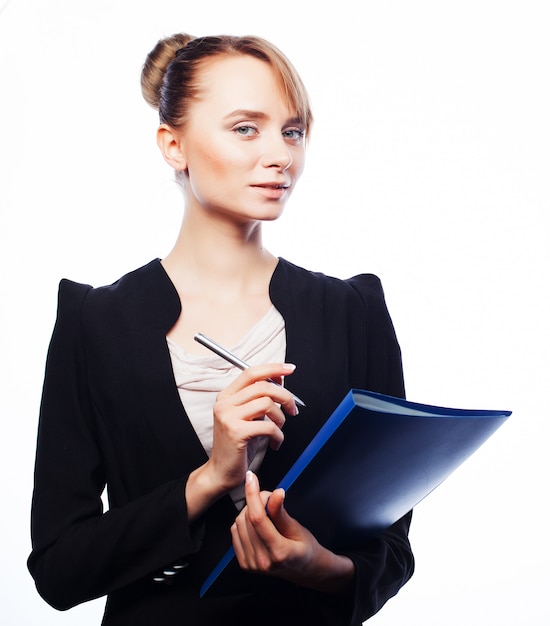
column 70, row 298
column 144, row 298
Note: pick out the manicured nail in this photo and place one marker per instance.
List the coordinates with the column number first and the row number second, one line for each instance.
column 249, row 477
column 289, row 367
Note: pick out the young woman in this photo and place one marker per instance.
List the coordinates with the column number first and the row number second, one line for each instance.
column 181, row 438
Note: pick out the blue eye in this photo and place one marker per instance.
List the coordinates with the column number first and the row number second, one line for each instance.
column 294, row 134
column 245, row 131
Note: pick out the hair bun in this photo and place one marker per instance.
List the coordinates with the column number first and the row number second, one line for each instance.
column 156, row 64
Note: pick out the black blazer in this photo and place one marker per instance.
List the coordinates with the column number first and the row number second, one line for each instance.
column 111, row 414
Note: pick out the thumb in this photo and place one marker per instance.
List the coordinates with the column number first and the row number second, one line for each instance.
column 278, row 514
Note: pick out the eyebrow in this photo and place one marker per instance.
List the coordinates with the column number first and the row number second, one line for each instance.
column 258, row 115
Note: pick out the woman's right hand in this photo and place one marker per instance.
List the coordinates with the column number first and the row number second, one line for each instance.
column 249, row 407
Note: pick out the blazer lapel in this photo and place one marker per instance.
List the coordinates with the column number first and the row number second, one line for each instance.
column 157, row 308
column 175, row 436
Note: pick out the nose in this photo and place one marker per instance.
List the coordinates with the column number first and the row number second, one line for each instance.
column 277, row 153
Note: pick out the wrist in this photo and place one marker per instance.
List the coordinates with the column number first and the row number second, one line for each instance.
column 333, row 573
column 201, row 491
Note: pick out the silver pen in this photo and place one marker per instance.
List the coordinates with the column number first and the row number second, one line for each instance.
column 229, row 356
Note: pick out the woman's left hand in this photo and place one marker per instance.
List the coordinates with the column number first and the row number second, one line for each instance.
column 274, row 543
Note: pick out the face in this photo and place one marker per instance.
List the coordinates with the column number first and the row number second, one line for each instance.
column 242, row 147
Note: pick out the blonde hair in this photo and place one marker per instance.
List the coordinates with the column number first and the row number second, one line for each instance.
column 169, row 78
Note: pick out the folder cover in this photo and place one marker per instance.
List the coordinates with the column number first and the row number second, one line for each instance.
column 373, row 460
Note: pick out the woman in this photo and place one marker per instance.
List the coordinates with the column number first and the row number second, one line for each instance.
column 131, row 401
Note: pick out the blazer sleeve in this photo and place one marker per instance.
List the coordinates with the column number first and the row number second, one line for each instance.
column 78, row 551
column 385, row 563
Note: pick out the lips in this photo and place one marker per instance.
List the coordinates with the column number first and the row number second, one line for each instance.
column 271, row 191
column 272, row 185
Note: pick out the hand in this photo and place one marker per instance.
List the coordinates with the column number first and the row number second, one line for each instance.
column 239, row 416
column 274, row 543
column 249, row 407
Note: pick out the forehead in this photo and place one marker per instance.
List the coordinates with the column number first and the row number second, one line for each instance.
column 231, row 82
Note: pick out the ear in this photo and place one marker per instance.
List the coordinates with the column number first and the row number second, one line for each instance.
column 170, row 144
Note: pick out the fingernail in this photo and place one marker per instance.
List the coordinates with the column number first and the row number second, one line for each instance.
column 289, row 367
column 249, row 477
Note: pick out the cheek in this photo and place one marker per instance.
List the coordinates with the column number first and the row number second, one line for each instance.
column 216, row 174
column 298, row 163
column 219, row 162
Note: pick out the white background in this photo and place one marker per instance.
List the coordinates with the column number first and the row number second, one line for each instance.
column 429, row 165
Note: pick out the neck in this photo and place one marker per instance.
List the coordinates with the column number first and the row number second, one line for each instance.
column 212, row 253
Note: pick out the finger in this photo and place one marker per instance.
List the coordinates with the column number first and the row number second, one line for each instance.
column 230, row 416
column 283, row 522
column 261, row 399
column 262, row 389
column 265, row 428
column 240, row 552
column 243, row 423
column 249, row 549
column 254, row 501
column 268, row 537
column 275, row 503
column 256, row 514
column 258, row 373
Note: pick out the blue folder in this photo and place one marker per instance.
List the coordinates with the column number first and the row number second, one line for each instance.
column 373, row 460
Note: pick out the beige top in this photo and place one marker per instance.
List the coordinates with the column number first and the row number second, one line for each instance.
column 200, row 378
